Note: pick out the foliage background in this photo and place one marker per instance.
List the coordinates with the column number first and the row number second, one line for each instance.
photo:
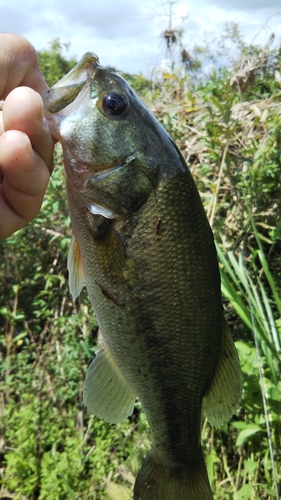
column 228, row 127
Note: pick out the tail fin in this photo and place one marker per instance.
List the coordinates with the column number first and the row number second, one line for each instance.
column 156, row 481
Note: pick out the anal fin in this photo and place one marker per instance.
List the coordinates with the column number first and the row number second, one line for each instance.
column 224, row 394
column 106, row 393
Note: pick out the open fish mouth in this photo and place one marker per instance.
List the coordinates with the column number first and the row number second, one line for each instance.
column 65, row 91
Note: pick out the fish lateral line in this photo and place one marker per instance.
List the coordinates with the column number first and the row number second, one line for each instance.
column 157, row 226
column 109, row 296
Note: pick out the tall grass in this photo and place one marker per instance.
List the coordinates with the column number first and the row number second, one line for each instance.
column 249, row 285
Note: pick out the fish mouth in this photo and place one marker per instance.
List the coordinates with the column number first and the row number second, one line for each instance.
column 65, row 91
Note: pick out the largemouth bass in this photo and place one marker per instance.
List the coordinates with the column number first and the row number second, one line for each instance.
column 143, row 246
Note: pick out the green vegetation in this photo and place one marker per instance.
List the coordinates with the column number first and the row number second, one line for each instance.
column 228, row 126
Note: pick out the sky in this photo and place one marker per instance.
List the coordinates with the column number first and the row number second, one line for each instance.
column 126, row 34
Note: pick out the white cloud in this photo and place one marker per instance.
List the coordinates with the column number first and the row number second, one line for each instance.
column 126, row 34
column 250, row 5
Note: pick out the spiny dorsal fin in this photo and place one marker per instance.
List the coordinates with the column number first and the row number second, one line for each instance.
column 75, row 268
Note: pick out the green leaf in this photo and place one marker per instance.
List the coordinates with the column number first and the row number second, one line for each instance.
column 116, row 492
column 244, row 493
column 248, row 431
column 251, row 466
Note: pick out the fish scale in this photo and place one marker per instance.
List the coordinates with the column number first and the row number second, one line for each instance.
column 143, row 245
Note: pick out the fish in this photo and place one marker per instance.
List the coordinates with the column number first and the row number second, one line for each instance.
column 144, row 247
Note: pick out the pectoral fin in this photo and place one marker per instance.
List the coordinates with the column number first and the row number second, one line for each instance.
column 75, row 268
column 224, row 394
column 106, row 392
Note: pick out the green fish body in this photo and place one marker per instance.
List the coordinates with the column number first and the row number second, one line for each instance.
column 143, row 245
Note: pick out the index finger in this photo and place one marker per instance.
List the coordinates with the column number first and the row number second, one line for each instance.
column 19, row 65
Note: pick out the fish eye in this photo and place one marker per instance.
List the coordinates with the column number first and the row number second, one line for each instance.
column 114, row 104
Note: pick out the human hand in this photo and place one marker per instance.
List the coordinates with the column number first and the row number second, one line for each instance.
column 26, row 145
